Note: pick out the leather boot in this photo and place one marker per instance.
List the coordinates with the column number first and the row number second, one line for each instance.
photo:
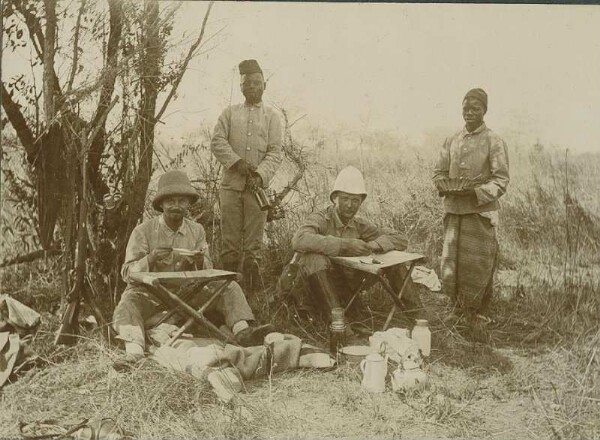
column 251, row 273
column 254, row 335
column 323, row 291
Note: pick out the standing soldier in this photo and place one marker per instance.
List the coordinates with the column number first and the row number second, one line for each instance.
column 471, row 174
column 247, row 142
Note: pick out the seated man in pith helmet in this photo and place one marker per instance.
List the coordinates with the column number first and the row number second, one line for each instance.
column 338, row 231
column 150, row 249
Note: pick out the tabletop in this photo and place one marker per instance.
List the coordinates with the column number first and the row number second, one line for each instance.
column 374, row 263
column 151, row 278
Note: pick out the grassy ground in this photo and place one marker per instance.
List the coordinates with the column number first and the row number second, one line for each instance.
column 535, row 372
column 505, row 388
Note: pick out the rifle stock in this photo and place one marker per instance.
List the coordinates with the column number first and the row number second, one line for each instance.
column 69, row 326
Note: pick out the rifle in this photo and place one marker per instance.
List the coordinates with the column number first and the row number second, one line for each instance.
column 69, row 327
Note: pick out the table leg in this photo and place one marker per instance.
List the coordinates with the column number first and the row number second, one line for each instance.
column 396, row 299
column 198, row 317
column 181, row 330
column 355, row 295
column 171, row 312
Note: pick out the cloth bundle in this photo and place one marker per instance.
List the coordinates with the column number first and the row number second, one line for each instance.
column 426, row 277
column 16, row 319
column 225, row 367
column 397, row 346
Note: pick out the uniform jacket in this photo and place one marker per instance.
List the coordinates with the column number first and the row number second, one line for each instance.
column 252, row 133
column 480, row 155
column 323, row 233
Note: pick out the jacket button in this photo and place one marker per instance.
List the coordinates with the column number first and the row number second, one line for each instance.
column 249, row 134
column 248, row 148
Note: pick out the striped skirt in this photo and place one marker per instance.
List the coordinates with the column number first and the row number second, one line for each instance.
column 469, row 259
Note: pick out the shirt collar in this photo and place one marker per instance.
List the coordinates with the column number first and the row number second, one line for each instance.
column 257, row 105
column 476, row 131
column 163, row 224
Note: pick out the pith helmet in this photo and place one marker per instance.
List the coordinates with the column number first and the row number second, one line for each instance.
column 350, row 180
column 173, row 183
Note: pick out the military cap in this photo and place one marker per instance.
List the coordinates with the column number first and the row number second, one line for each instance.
column 478, row 94
column 249, row 66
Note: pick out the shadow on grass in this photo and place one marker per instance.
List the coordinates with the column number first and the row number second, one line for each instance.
column 458, row 346
column 475, row 356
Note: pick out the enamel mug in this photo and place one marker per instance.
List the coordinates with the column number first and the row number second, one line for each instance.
column 374, row 368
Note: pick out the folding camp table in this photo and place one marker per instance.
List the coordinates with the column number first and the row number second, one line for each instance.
column 374, row 265
column 191, row 283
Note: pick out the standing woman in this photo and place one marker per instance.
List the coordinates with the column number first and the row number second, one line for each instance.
column 471, row 174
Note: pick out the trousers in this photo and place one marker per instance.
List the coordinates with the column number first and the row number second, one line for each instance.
column 137, row 305
column 346, row 280
column 242, row 226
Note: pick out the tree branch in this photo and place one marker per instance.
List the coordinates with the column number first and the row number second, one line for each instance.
column 170, row 13
column 293, row 153
column 75, row 47
column 146, row 122
column 108, row 79
column 33, row 25
column 31, row 256
column 38, row 40
column 112, row 53
column 17, row 120
column 189, row 56
column 50, row 106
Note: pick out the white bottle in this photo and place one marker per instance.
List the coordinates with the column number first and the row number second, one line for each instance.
column 422, row 336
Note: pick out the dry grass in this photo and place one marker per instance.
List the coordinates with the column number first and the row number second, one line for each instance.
column 535, row 375
column 540, row 393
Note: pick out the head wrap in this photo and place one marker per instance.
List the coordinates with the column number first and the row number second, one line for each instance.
column 249, row 66
column 478, row 94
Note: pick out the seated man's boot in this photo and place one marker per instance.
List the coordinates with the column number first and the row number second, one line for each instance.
column 253, row 336
column 252, row 279
column 323, row 291
column 356, row 311
column 286, row 281
column 134, row 355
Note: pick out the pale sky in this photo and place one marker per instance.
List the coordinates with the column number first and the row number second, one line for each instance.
column 403, row 67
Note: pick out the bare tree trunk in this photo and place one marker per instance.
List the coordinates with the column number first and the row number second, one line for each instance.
column 150, row 71
column 48, row 56
column 108, row 86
